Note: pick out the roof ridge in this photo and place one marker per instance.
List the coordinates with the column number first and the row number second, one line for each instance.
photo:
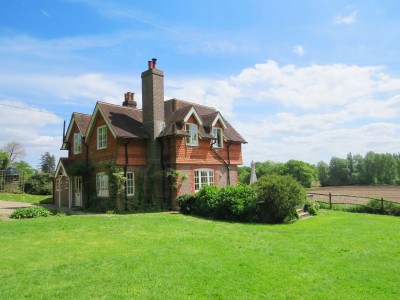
column 192, row 103
column 118, row 105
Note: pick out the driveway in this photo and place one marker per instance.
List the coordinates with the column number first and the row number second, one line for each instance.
column 7, row 208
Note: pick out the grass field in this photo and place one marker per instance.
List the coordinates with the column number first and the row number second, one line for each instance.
column 334, row 255
column 34, row 199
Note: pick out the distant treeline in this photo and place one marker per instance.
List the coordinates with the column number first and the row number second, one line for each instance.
column 373, row 168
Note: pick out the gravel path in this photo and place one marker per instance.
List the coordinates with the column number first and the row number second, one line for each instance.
column 7, row 208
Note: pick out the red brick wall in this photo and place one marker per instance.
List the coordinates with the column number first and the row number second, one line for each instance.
column 71, row 154
column 108, row 154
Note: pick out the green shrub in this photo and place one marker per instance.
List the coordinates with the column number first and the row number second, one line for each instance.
column 233, row 203
column 207, row 201
column 311, row 207
column 30, row 212
column 236, row 203
column 278, row 197
column 187, row 203
column 39, row 184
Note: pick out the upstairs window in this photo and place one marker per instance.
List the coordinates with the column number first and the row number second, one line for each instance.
column 217, row 133
column 130, row 184
column 102, row 137
column 192, row 137
column 77, row 143
column 203, row 177
column 102, row 184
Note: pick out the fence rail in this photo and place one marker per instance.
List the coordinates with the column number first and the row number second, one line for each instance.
column 331, row 202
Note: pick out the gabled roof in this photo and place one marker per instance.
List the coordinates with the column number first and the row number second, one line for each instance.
column 180, row 111
column 123, row 121
column 62, row 166
column 82, row 122
column 212, row 119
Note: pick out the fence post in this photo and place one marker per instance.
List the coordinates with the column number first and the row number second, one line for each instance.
column 382, row 208
column 330, row 201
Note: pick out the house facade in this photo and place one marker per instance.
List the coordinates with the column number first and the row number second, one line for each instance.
column 166, row 149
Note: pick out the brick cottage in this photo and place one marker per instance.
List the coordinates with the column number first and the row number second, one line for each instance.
column 166, row 149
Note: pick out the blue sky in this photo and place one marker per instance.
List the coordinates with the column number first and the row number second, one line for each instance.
column 303, row 80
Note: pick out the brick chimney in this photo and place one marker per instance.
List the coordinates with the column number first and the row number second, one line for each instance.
column 153, row 99
column 129, row 100
column 153, row 123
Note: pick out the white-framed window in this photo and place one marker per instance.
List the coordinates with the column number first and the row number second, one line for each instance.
column 102, row 184
column 77, row 143
column 58, row 184
column 192, row 137
column 102, row 137
column 203, row 177
column 130, row 184
column 67, row 183
column 217, row 133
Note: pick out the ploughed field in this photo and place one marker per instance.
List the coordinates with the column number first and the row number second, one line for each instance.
column 356, row 194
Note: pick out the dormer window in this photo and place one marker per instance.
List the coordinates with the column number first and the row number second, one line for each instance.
column 192, row 134
column 102, row 137
column 77, row 143
column 217, row 133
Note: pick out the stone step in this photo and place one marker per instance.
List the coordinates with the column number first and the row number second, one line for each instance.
column 303, row 214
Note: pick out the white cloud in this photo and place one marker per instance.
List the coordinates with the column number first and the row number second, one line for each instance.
column 346, row 20
column 299, row 50
column 309, row 87
column 78, row 90
column 216, row 93
column 31, row 127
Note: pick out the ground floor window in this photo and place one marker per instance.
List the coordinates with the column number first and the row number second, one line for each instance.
column 102, row 184
column 130, row 184
column 203, row 177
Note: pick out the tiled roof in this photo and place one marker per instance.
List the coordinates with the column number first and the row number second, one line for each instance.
column 126, row 122
column 82, row 120
column 178, row 109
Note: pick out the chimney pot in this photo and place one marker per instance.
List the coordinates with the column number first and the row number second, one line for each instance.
column 129, row 100
column 150, row 64
column 154, row 63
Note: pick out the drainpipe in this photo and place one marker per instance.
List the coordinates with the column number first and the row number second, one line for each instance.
column 86, row 181
column 227, row 163
column 162, row 162
column 126, row 169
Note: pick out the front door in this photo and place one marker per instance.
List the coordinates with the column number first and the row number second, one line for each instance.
column 78, row 191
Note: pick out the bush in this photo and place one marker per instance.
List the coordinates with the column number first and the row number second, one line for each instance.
column 233, row 203
column 311, row 207
column 30, row 212
column 39, row 184
column 278, row 197
column 187, row 203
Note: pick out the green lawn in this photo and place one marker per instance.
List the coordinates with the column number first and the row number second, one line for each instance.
column 335, row 255
column 34, row 199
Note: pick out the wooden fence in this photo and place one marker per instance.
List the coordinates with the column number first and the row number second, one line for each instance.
column 11, row 182
column 341, row 199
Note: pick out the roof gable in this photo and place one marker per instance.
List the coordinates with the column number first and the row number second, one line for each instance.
column 123, row 121
column 193, row 112
column 82, row 122
column 62, row 167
